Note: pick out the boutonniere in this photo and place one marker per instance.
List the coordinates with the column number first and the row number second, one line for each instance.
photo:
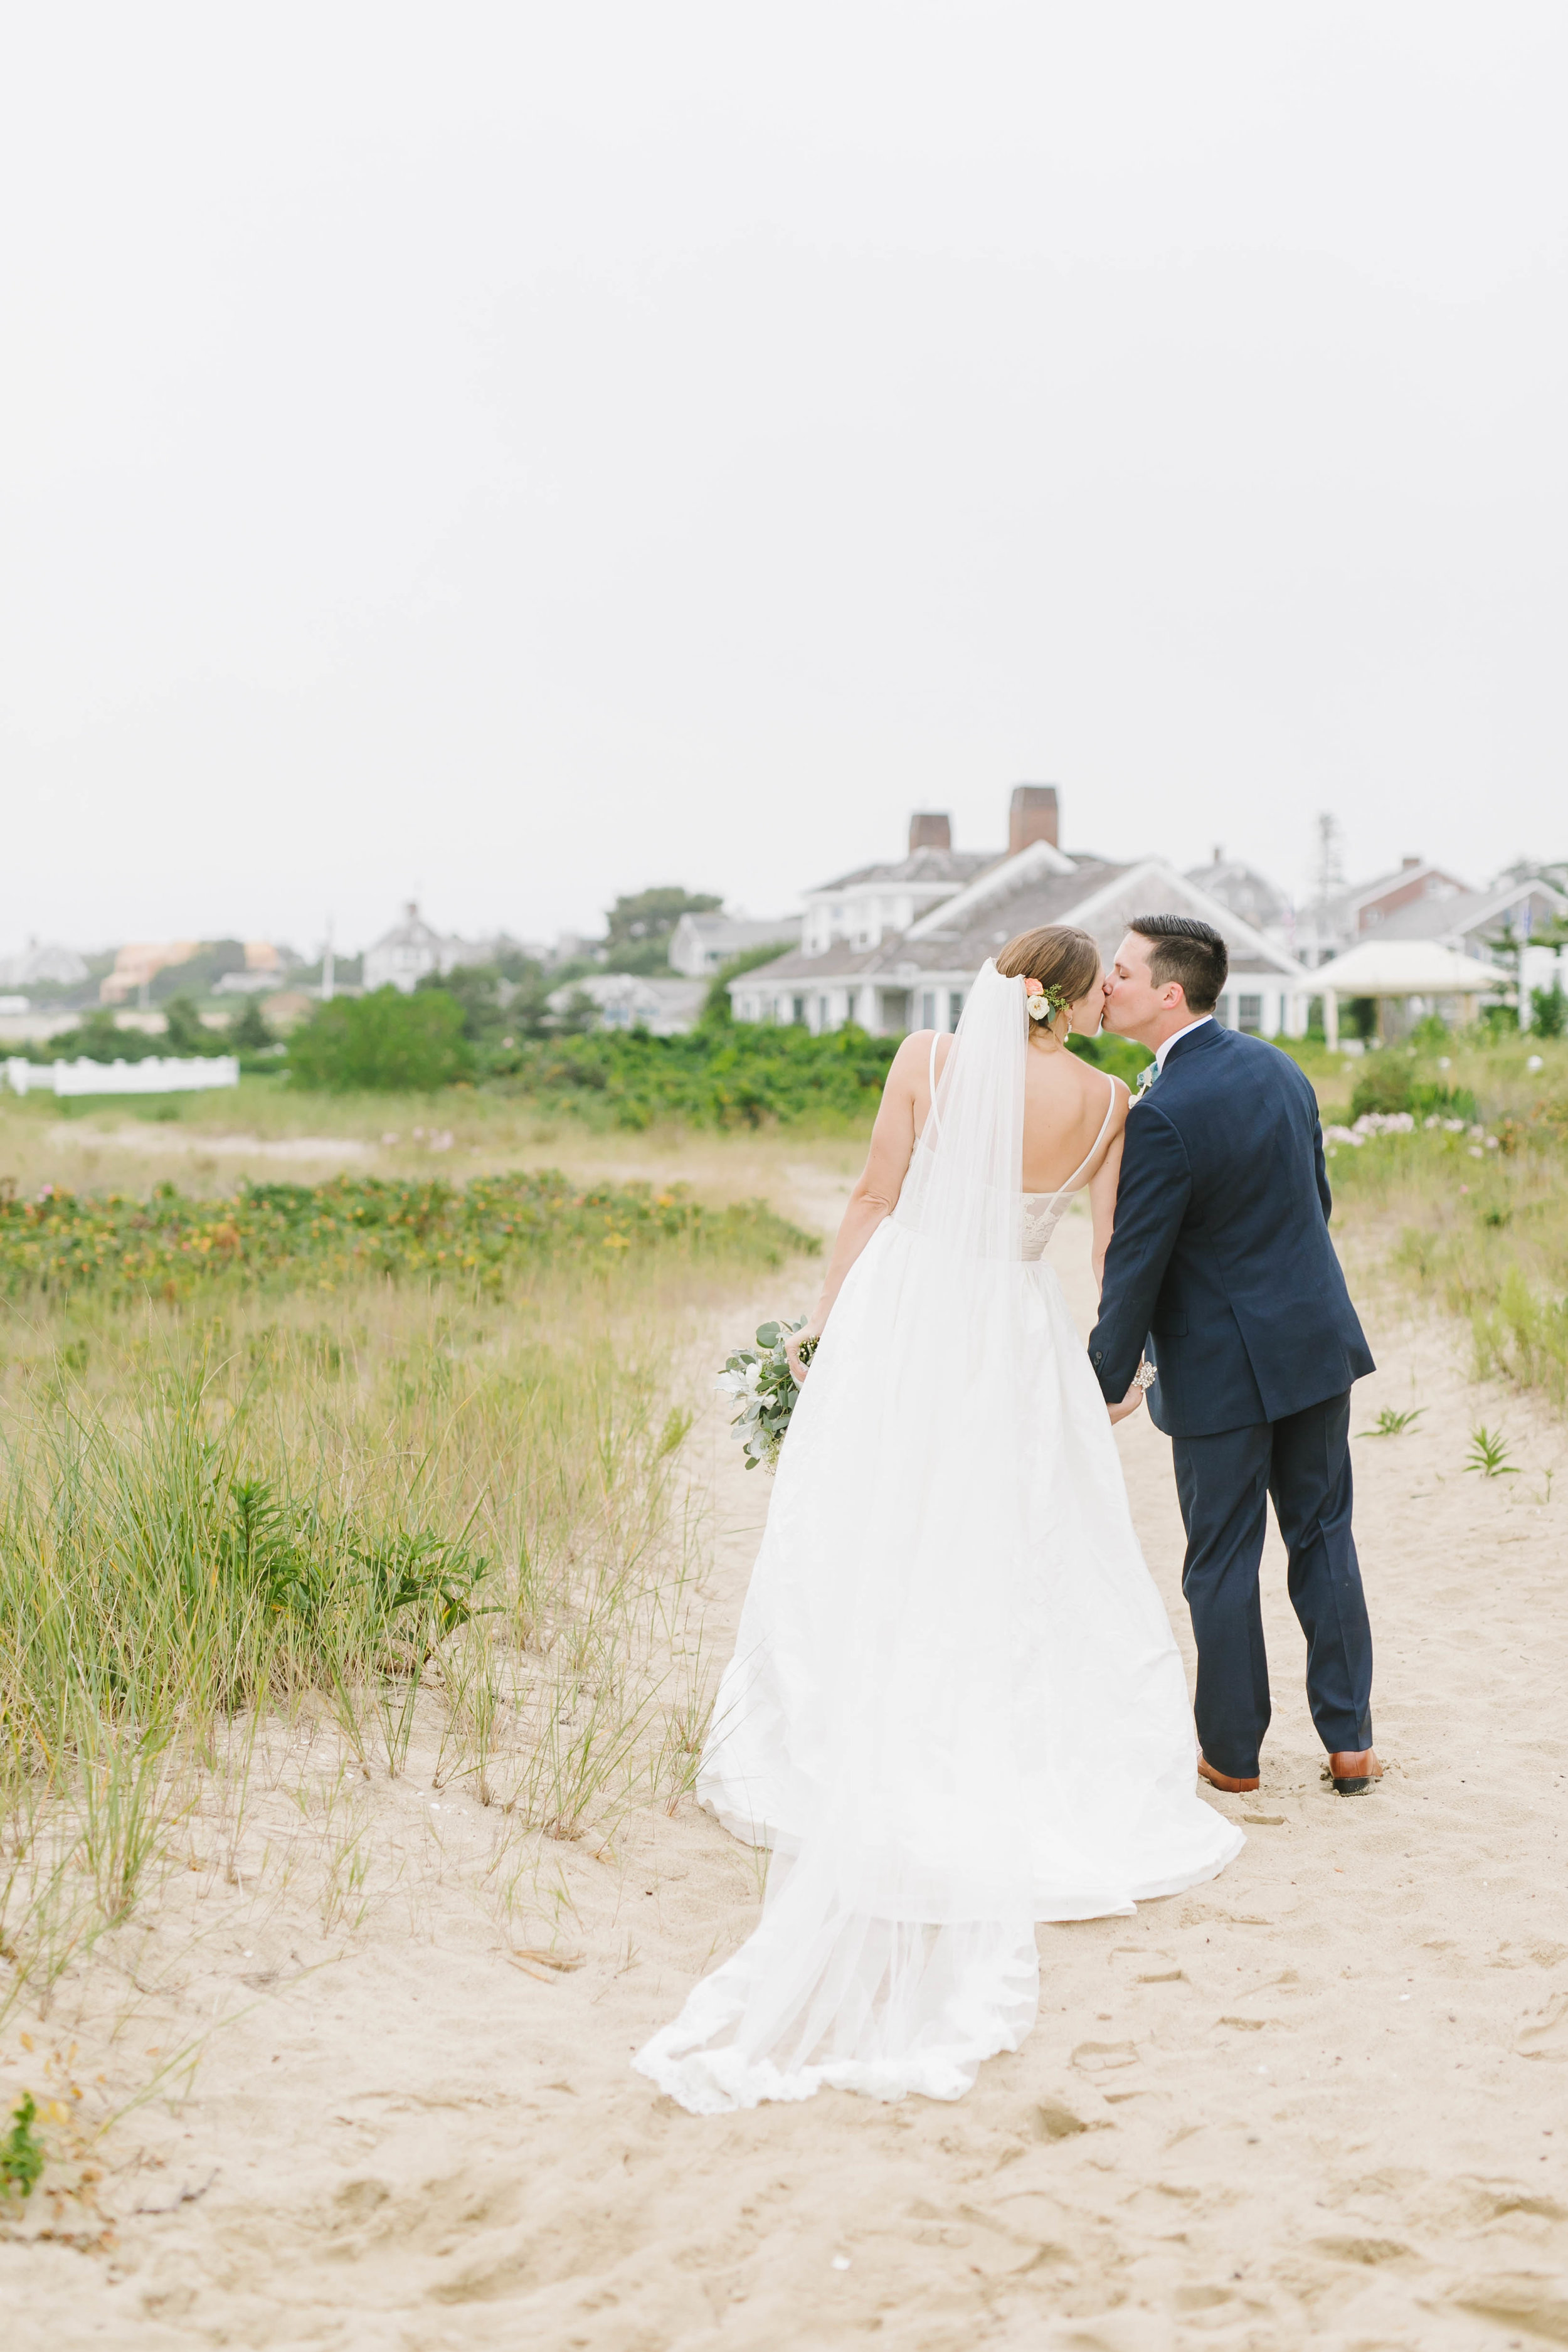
column 1146, row 1078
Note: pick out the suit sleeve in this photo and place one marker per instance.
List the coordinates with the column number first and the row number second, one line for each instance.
column 1151, row 1202
column 1324, row 1194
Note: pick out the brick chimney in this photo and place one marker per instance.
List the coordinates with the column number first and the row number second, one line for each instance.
column 930, row 830
column 1031, row 816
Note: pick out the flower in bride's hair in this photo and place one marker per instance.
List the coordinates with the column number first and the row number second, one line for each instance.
column 1041, row 1003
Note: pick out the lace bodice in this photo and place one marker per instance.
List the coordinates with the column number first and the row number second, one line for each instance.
column 1043, row 1211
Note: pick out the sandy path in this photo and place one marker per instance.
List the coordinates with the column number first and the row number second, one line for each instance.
column 195, row 1143
column 1319, row 2103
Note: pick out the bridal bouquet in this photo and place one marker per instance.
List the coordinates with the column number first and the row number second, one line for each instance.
column 762, row 1384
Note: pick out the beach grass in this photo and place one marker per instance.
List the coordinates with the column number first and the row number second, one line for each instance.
column 386, row 1500
column 1472, row 1214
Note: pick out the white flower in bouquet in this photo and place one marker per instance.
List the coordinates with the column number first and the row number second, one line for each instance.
column 763, row 1385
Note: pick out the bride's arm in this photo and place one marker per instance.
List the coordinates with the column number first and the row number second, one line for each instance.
column 877, row 1189
column 1103, row 1187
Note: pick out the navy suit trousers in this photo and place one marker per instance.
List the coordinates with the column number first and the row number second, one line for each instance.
column 1304, row 1464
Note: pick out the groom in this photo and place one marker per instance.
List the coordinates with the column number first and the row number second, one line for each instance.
column 1221, row 1271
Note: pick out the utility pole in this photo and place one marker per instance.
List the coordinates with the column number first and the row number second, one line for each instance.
column 1330, row 877
column 329, row 968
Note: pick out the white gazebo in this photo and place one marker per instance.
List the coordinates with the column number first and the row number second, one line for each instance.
column 1402, row 968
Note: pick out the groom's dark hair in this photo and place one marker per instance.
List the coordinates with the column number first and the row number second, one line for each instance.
column 1185, row 949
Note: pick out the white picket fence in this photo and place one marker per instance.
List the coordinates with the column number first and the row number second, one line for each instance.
column 158, row 1074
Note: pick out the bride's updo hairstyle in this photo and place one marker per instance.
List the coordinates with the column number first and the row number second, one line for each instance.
column 1058, row 957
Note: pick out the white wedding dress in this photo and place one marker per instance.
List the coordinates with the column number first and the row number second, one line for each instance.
column 956, row 1706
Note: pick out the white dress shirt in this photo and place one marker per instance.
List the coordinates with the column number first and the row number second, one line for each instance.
column 1176, row 1036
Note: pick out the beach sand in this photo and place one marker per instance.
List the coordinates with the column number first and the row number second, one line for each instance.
column 1320, row 2101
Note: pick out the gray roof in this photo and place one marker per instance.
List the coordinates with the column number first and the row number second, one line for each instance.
column 961, row 946
column 1347, row 903
column 954, row 865
column 1469, row 910
column 1244, row 890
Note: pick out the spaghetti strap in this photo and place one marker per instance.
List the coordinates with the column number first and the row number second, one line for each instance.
column 1100, row 1139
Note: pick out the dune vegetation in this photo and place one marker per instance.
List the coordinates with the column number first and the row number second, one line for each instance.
column 1449, row 1165
column 351, row 1461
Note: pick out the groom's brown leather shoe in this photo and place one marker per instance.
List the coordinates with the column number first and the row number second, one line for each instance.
column 1353, row 1775
column 1223, row 1779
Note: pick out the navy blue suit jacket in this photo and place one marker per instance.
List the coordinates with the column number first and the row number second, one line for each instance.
column 1220, row 1268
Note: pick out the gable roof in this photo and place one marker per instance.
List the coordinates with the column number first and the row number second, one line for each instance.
column 1024, row 892
column 1471, row 911
column 1004, row 877
column 922, row 866
column 1342, row 910
column 1152, row 886
column 1243, row 889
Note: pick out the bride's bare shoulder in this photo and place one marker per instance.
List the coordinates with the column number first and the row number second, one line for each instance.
column 909, row 1069
column 1091, row 1080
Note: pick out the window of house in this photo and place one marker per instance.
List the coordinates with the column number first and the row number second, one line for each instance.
column 822, row 1012
column 954, row 1006
column 798, row 1012
column 928, row 1008
column 1250, row 1014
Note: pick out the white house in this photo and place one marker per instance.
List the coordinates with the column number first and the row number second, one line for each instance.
column 627, row 999
column 402, row 956
column 917, row 976
column 700, row 943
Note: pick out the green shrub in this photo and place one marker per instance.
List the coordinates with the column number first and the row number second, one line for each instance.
column 1119, row 1055
column 187, row 1033
column 96, row 1039
column 1550, row 1007
column 381, row 1042
column 745, row 1074
column 1393, row 1083
column 249, row 1031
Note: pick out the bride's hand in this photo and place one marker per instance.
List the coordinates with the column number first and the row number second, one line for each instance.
column 795, row 1341
column 1130, row 1404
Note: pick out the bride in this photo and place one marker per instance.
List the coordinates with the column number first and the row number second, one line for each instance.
column 956, row 1706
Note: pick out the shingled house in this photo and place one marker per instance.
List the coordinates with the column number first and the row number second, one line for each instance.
column 897, row 946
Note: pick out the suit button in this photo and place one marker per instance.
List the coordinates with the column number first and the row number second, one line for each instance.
column 1097, row 1355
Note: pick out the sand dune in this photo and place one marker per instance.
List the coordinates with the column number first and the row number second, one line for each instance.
column 1319, row 2102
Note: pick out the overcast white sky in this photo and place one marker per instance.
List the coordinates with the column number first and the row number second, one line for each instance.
column 521, row 452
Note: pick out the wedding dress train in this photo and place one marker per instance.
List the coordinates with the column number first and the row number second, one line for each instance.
column 956, row 1706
